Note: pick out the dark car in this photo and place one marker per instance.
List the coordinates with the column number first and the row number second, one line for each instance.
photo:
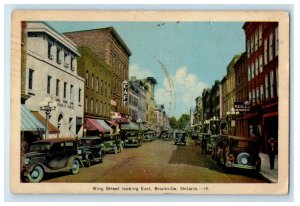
column 238, row 152
column 49, row 156
column 180, row 137
column 90, row 149
column 211, row 143
column 132, row 139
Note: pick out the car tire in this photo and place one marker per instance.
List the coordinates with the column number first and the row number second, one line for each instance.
column 75, row 166
column 36, row 175
column 244, row 156
column 88, row 162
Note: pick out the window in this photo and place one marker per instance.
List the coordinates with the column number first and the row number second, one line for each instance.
column 267, row 86
column 108, row 90
column 49, row 84
column 72, row 63
column 260, row 35
column 256, row 40
column 252, row 71
column 252, row 44
column 30, row 80
column 261, row 92
column 87, row 79
column 277, row 80
column 271, row 47
column 70, row 127
column 105, row 91
column 96, row 107
column 101, row 107
column 92, row 81
column 253, row 96
column 58, row 59
column 57, row 87
column 101, row 86
column 271, row 84
column 276, row 42
column 260, row 64
column 71, row 94
column 256, row 67
column 50, row 55
column 92, row 105
column 104, row 108
column 266, row 51
column 86, row 104
column 79, row 95
column 65, row 90
column 249, row 73
column 97, row 85
column 257, row 94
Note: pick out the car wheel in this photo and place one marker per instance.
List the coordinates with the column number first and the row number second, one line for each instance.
column 75, row 167
column 88, row 162
column 36, row 175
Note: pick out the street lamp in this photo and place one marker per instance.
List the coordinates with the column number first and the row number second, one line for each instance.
column 47, row 105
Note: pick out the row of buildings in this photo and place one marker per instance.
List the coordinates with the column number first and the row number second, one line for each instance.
column 245, row 101
column 77, row 83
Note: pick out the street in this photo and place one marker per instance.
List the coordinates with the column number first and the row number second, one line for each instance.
column 157, row 162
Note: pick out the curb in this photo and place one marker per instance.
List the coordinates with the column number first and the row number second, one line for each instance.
column 267, row 178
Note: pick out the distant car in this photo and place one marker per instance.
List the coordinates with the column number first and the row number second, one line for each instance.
column 148, row 137
column 113, row 143
column 238, row 152
column 132, row 139
column 180, row 138
column 50, row 156
column 90, row 150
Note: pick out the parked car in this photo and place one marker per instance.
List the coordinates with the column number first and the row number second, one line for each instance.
column 238, row 152
column 132, row 139
column 49, row 156
column 91, row 150
column 180, row 137
column 113, row 143
column 148, row 137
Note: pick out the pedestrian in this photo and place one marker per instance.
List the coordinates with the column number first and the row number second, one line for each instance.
column 272, row 151
column 203, row 145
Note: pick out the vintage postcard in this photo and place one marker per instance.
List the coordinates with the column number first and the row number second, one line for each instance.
column 150, row 102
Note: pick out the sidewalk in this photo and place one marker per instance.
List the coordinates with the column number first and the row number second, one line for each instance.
column 266, row 172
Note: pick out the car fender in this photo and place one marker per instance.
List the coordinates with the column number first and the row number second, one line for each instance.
column 69, row 165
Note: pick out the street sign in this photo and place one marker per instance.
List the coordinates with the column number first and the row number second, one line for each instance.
column 242, row 106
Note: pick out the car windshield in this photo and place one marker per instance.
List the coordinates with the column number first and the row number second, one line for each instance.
column 40, row 146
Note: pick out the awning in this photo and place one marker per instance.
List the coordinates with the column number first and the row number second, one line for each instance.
column 92, row 125
column 130, row 126
column 104, row 125
column 29, row 122
column 51, row 128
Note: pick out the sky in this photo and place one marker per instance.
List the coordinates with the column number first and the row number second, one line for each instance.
column 184, row 57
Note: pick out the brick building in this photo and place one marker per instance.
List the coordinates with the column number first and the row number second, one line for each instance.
column 109, row 47
column 262, row 47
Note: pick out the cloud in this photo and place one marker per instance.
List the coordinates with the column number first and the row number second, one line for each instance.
column 138, row 72
column 181, row 97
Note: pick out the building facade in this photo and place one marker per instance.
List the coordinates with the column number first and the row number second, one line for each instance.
column 150, row 83
column 109, row 47
column 262, row 47
column 51, row 71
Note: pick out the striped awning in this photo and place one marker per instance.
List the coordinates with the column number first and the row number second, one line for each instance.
column 104, row 125
column 29, row 122
column 51, row 128
column 93, row 125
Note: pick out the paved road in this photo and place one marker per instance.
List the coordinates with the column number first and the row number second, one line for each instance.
column 157, row 162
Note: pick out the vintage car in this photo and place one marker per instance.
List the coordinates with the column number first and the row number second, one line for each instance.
column 90, row 149
column 49, row 156
column 148, row 137
column 237, row 152
column 113, row 144
column 132, row 139
column 180, row 137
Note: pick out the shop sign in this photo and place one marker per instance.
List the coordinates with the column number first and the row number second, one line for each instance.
column 125, row 93
column 242, row 106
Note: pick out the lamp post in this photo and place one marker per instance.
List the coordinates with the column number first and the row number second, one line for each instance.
column 47, row 105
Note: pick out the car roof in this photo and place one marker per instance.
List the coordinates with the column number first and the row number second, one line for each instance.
column 54, row 140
